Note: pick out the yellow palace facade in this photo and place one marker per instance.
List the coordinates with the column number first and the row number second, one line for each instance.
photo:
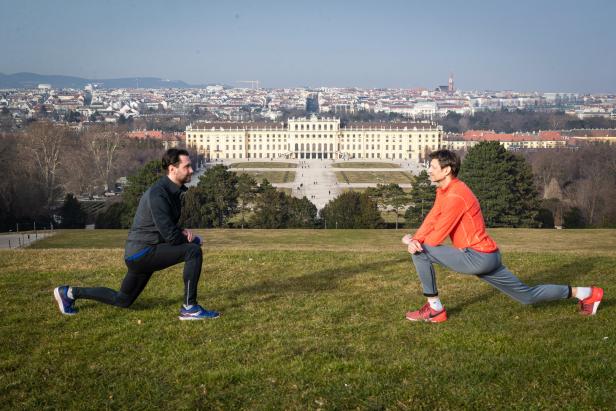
column 314, row 138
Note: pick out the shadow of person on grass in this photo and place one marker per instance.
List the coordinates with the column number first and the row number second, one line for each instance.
column 318, row 281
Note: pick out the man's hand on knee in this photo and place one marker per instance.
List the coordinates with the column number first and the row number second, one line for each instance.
column 188, row 234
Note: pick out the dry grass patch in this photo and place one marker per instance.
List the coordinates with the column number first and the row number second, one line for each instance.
column 262, row 164
column 376, row 177
column 365, row 165
column 272, row 176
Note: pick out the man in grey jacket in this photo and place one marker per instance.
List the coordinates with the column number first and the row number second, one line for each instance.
column 155, row 242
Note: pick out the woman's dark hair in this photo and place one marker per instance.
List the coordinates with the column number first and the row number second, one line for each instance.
column 447, row 158
column 172, row 157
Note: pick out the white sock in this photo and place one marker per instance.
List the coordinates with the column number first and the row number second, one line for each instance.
column 583, row 293
column 435, row 303
column 69, row 293
column 188, row 307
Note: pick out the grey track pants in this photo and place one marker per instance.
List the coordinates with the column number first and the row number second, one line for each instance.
column 486, row 266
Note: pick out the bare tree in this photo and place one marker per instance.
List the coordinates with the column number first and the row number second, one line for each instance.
column 103, row 144
column 45, row 144
column 83, row 181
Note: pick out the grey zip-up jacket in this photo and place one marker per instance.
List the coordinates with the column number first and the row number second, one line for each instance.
column 156, row 219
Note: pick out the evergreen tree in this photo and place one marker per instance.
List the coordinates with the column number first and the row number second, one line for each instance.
column 422, row 199
column 218, row 194
column 71, row 213
column 369, row 215
column 503, row 184
column 574, row 218
column 302, row 213
column 194, row 210
column 246, row 193
column 271, row 208
column 351, row 210
column 112, row 216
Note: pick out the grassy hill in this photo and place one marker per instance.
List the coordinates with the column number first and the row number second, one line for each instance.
column 311, row 320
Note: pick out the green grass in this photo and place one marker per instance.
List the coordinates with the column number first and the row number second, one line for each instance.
column 272, row 176
column 362, row 189
column 380, row 177
column 263, row 164
column 311, row 319
column 365, row 165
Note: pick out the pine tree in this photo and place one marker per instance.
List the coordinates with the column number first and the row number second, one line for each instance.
column 194, row 213
column 352, row 210
column 271, row 208
column 111, row 217
column 302, row 213
column 71, row 213
column 422, row 199
column 503, row 184
column 246, row 193
column 218, row 188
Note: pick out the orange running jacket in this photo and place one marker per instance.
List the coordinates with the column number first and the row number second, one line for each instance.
column 456, row 213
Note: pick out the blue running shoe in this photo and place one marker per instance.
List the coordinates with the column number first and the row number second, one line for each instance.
column 196, row 312
column 64, row 302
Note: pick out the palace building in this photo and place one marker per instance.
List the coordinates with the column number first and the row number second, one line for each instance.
column 314, row 138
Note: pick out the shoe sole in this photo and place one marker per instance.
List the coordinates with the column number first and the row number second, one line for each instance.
column 56, row 294
column 197, row 318
column 595, row 306
column 427, row 320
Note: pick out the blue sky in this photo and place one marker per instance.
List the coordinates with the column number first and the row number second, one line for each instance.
column 540, row 45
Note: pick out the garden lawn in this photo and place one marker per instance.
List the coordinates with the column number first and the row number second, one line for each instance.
column 311, row 320
column 272, row 176
column 263, row 164
column 377, row 177
column 365, row 165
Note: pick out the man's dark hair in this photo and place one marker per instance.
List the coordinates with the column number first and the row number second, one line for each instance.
column 447, row 158
column 172, row 157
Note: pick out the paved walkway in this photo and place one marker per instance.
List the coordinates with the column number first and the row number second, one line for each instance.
column 316, row 179
column 18, row 240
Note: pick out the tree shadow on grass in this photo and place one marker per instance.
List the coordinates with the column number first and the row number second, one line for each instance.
column 563, row 274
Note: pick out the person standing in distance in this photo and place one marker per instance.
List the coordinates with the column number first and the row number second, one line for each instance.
column 456, row 213
column 155, row 242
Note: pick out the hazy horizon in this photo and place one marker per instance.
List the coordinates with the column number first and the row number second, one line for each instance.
column 552, row 46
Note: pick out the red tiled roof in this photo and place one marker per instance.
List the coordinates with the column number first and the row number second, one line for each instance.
column 550, row 135
column 142, row 134
column 480, row 135
column 156, row 134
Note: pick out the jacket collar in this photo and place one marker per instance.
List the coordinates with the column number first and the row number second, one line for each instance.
column 172, row 187
column 453, row 181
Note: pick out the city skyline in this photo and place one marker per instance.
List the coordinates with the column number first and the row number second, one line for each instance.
column 548, row 47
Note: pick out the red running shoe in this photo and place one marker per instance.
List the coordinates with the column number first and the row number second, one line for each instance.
column 588, row 306
column 427, row 314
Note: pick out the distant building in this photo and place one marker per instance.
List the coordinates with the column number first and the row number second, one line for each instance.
column 314, row 138
column 543, row 139
column 168, row 140
column 593, row 136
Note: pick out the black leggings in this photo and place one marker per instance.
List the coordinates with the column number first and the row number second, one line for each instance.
column 140, row 271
